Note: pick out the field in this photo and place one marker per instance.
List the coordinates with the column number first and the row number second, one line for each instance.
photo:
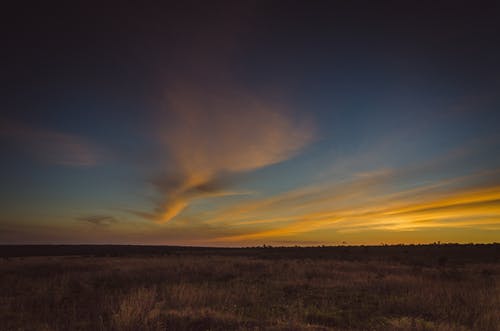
column 431, row 287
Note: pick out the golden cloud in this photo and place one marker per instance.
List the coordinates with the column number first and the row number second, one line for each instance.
column 214, row 132
column 364, row 203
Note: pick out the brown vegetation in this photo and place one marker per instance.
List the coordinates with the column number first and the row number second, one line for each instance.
column 217, row 292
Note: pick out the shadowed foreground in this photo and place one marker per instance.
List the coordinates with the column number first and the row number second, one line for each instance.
column 245, row 292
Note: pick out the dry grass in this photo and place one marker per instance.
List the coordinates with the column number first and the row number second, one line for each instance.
column 244, row 293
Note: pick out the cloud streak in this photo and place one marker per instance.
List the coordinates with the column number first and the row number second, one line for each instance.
column 391, row 200
column 98, row 220
column 49, row 146
column 475, row 207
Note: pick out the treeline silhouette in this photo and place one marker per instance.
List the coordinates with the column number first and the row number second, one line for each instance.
column 414, row 254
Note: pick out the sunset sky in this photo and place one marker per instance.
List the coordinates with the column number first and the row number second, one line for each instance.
column 238, row 123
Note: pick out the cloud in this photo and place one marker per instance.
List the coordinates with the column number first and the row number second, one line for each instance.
column 98, row 220
column 50, row 146
column 368, row 201
column 423, row 197
column 212, row 134
column 475, row 208
column 213, row 128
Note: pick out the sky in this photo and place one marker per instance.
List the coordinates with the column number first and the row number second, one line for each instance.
column 243, row 123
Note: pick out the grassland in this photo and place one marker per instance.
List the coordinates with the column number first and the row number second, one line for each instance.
column 253, row 289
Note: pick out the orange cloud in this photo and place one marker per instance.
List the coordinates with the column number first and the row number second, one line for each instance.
column 373, row 208
column 215, row 132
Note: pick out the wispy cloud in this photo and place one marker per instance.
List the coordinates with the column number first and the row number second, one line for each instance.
column 98, row 220
column 411, row 210
column 211, row 134
column 50, row 146
column 405, row 199
column 355, row 200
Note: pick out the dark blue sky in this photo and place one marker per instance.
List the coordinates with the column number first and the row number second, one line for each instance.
column 228, row 123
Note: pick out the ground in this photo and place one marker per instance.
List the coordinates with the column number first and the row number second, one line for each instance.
column 361, row 288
